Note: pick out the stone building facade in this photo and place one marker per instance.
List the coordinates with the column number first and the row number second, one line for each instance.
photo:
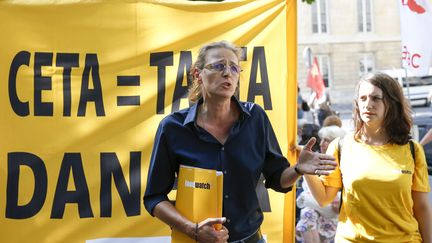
column 349, row 38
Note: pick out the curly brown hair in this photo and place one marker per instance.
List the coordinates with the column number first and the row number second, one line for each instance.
column 397, row 116
column 195, row 88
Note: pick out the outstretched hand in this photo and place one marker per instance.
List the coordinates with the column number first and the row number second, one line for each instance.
column 212, row 230
column 313, row 163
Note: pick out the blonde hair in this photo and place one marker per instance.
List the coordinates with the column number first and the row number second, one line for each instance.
column 195, row 92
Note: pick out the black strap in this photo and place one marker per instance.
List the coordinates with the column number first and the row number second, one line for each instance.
column 340, row 145
column 411, row 144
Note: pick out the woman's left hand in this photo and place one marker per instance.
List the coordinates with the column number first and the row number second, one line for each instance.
column 314, row 163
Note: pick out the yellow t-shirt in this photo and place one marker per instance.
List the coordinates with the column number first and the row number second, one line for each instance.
column 378, row 180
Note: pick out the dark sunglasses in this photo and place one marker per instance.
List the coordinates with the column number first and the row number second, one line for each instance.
column 220, row 67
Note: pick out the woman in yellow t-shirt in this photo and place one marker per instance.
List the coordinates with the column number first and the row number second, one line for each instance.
column 384, row 185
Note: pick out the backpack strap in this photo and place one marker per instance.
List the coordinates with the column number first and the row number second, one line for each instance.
column 411, row 144
column 340, row 145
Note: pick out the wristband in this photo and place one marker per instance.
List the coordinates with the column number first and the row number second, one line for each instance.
column 297, row 170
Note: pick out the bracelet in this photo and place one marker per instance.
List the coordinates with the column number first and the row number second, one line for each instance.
column 297, row 170
column 196, row 232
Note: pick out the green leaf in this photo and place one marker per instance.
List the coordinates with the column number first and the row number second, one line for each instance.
column 308, row 1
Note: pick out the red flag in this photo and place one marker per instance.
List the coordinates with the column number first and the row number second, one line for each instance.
column 315, row 79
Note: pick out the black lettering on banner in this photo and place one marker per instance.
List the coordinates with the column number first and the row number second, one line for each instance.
column 20, row 108
column 72, row 162
column 131, row 199
column 42, row 83
column 67, row 61
column 161, row 60
column 94, row 95
column 128, row 100
column 263, row 88
column 15, row 161
column 181, row 91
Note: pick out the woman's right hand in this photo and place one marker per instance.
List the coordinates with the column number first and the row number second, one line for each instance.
column 207, row 231
column 313, row 163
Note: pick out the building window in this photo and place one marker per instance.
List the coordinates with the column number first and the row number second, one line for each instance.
column 324, row 65
column 319, row 16
column 366, row 63
column 364, row 15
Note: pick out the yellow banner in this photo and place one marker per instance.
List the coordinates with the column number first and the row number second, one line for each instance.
column 83, row 87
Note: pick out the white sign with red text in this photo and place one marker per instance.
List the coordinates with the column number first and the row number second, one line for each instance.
column 416, row 32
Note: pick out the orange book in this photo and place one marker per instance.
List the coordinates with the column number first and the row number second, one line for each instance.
column 199, row 196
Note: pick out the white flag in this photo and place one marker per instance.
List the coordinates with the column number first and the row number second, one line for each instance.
column 416, row 32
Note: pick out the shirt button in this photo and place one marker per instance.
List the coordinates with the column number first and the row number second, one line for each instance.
column 226, row 196
column 223, row 148
column 225, row 172
column 228, row 220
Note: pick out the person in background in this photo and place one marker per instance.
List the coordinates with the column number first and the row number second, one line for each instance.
column 219, row 132
column 318, row 224
column 332, row 120
column 427, row 138
column 302, row 107
column 300, row 113
column 308, row 131
column 384, row 187
column 321, row 106
column 305, row 131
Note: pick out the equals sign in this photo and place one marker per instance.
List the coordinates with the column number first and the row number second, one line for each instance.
column 130, row 100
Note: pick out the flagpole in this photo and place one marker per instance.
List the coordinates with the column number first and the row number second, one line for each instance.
column 407, row 85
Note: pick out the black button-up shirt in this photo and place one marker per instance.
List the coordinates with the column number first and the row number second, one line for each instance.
column 251, row 149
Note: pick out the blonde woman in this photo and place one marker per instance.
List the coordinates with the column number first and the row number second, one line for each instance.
column 221, row 133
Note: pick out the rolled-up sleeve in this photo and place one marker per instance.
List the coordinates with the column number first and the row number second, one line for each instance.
column 275, row 163
column 161, row 173
column 334, row 179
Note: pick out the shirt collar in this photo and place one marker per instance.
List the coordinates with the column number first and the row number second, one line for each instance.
column 192, row 113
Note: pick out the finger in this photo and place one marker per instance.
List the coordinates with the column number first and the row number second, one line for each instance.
column 326, row 157
column 328, row 162
column 327, row 167
column 310, row 144
column 223, row 233
column 213, row 221
column 225, row 229
column 225, row 238
column 322, row 172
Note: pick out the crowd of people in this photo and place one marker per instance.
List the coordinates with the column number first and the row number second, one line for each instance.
column 315, row 223
column 374, row 179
